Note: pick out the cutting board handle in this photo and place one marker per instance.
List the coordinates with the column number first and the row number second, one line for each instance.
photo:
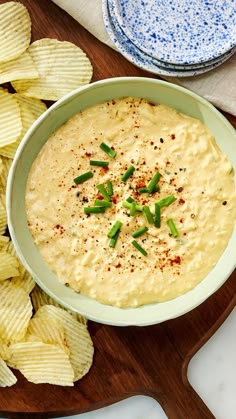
column 175, row 406
column 184, row 398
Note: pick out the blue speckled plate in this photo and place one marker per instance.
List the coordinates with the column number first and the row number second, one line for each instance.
column 169, row 66
column 138, row 57
column 179, row 31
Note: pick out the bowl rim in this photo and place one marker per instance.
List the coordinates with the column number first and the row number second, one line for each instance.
column 182, row 307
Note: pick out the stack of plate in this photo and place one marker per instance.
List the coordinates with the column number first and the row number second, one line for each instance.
column 178, row 38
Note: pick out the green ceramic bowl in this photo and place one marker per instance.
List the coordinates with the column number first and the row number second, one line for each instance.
column 151, row 89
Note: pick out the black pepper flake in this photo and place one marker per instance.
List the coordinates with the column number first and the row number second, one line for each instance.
column 161, row 140
column 224, row 203
column 180, row 189
column 85, row 199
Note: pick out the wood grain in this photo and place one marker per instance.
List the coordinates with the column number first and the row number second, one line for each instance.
column 128, row 361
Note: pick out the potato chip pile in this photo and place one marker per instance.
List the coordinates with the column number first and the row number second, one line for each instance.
column 45, row 342
column 45, row 69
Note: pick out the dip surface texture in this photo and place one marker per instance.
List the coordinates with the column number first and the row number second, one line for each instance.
column 152, row 138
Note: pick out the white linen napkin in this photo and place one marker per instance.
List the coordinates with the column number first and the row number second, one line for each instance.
column 217, row 86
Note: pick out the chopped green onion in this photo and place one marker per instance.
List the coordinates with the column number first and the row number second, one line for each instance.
column 103, row 192
column 132, row 210
column 99, row 163
column 130, row 199
column 109, row 188
column 83, row 177
column 114, row 239
column 139, row 232
column 153, row 182
column 166, row 201
column 94, row 210
column 148, row 214
column 140, row 248
column 157, row 218
column 128, row 173
column 115, row 228
column 172, row 227
column 145, row 190
column 102, row 203
column 108, row 150
column 128, row 205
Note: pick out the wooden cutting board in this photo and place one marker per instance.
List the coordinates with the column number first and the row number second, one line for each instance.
column 128, row 361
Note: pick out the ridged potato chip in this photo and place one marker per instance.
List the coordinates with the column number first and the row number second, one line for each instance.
column 4, row 240
column 4, row 351
column 5, row 164
column 23, row 279
column 15, row 312
column 3, row 220
column 42, row 363
column 62, row 67
column 20, row 68
column 9, row 248
column 15, row 30
column 34, row 106
column 30, row 109
column 77, row 337
column 47, row 330
column 7, row 378
column 10, row 118
column 2, row 195
column 40, row 298
column 8, row 266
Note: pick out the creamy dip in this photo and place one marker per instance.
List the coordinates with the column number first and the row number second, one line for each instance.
column 152, row 138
